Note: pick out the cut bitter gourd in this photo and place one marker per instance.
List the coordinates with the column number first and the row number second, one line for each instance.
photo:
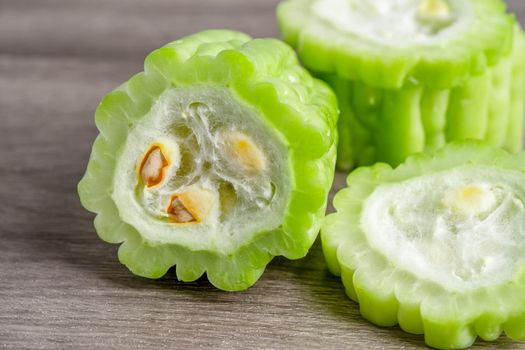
column 436, row 245
column 412, row 75
column 216, row 158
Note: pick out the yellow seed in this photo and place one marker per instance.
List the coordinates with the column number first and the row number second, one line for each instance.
column 433, row 9
column 243, row 151
column 470, row 200
column 153, row 166
column 472, row 193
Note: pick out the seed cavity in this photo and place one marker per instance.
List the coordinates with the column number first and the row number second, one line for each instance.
column 153, row 166
column 191, row 206
column 244, row 153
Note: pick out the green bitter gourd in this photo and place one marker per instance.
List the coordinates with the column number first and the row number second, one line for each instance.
column 216, row 158
column 436, row 245
column 412, row 75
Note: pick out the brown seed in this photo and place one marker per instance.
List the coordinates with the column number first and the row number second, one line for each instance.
column 153, row 166
column 178, row 212
column 191, row 206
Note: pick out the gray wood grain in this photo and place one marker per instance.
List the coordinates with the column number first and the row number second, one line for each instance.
column 60, row 286
column 121, row 28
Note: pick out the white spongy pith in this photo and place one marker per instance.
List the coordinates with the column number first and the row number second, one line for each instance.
column 194, row 120
column 414, row 225
column 392, row 22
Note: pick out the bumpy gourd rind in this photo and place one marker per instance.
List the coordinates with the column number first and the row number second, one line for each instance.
column 388, row 125
column 325, row 48
column 263, row 74
column 389, row 295
column 396, row 101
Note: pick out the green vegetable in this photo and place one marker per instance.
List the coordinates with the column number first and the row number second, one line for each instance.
column 412, row 75
column 436, row 245
column 216, row 158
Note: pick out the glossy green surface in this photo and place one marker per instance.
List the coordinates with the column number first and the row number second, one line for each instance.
column 397, row 100
column 263, row 74
column 388, row 294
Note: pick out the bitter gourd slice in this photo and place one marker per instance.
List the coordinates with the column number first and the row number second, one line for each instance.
column 436, row 245
column 216, row 158
column 412, row 75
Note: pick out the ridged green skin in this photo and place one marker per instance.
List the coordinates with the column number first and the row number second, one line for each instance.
column 395, row 101
column 388, row 295
column 263, row 74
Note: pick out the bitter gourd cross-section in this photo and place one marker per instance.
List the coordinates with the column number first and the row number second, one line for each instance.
column 216, row 158
column 412, row 75
column 436, row 245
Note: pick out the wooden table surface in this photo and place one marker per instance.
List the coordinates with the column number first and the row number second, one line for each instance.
column 61, row 286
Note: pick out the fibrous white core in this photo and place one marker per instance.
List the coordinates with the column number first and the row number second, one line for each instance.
column 226, row 177
column 463, row 228
column 397, row 22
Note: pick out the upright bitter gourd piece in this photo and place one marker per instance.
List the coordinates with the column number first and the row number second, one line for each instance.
column 216, row 158
column 436, row 245
column 412, row 75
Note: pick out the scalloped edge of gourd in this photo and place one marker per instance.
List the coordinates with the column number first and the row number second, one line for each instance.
column 388, row 295
column 263, row 73
column 325, row 49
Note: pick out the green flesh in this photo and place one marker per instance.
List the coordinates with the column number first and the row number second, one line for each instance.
column 397, row 100
column 430, row 297
column 193, row 92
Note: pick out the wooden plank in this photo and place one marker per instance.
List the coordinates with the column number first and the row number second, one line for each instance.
column 517, row 7
column 121, row 28
column 129, row 28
